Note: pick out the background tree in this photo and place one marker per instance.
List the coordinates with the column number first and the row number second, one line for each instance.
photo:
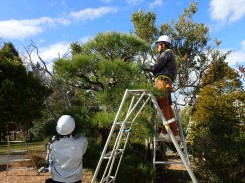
column 22, row 95
column 219, row 125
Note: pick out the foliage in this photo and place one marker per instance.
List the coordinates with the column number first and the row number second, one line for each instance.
column 38, row 159
column 43, row 128
column 135, row 164
column 22, row 96
column 87, row 70
column 185, row 118
column 219, row 133
column 102, row 71
column 144, row 25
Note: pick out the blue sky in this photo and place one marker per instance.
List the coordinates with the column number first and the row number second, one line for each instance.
column 52, row 25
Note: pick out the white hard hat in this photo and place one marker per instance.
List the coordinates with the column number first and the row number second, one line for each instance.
column 163, row 38
column 65, row 125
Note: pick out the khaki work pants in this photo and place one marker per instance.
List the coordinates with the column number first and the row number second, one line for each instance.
column 165, row 106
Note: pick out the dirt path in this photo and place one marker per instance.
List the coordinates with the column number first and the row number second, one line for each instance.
column 31, row 176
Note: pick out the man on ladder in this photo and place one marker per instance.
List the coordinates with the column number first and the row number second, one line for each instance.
column 164, row 71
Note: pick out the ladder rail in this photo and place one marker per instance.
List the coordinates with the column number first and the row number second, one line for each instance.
column 111, row 160
column 132, row 107
column 136, row 104
column 128, row 135
column 112, row 157
column 154, row 139
column 169, row 131
column 120, row 160
column 181, row 132
column 181, row 154
column 187, row 166
column 109, row 137
column 159, row 112
column 8, row 155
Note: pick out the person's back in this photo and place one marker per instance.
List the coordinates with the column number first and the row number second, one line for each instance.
column 66, row 159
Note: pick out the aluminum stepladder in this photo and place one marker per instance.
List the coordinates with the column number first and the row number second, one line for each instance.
column 138, row 99
column 19, row 155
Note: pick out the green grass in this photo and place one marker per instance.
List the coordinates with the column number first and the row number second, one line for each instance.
column 32, row 146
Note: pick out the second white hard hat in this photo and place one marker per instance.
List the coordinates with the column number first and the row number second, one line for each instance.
column 164, row 38
column 65, row 125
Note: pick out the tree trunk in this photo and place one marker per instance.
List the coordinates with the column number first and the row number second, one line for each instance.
column 51, row 112
column 104, row 135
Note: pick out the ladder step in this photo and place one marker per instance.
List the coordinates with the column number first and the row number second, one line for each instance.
column 21, row 168
column 121, row 122
column 157, row 139
column 108, row 155
column 107, row 179
column 16, row 141
column 19, row 160
column 168, row 162
column 18, row 152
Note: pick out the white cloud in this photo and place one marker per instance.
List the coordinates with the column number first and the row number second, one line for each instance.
column 227, row 10
column 243, row 45
column 20, row 29
column 86, row 39
column 49, row 53
column 54, row 51
column 237, row 57
column 134, row 2
column 156, row 3
column 92, row 13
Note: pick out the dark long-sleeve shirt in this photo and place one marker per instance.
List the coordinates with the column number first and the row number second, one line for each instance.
column 165, row 65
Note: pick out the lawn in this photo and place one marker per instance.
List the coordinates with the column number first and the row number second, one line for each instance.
column 32, row 146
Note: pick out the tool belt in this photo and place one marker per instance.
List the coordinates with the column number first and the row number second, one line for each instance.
column 167, row 81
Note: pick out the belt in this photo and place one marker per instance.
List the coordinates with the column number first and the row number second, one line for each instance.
column 162, row 77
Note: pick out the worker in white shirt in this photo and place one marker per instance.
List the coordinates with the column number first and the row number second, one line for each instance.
column 66, row 154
